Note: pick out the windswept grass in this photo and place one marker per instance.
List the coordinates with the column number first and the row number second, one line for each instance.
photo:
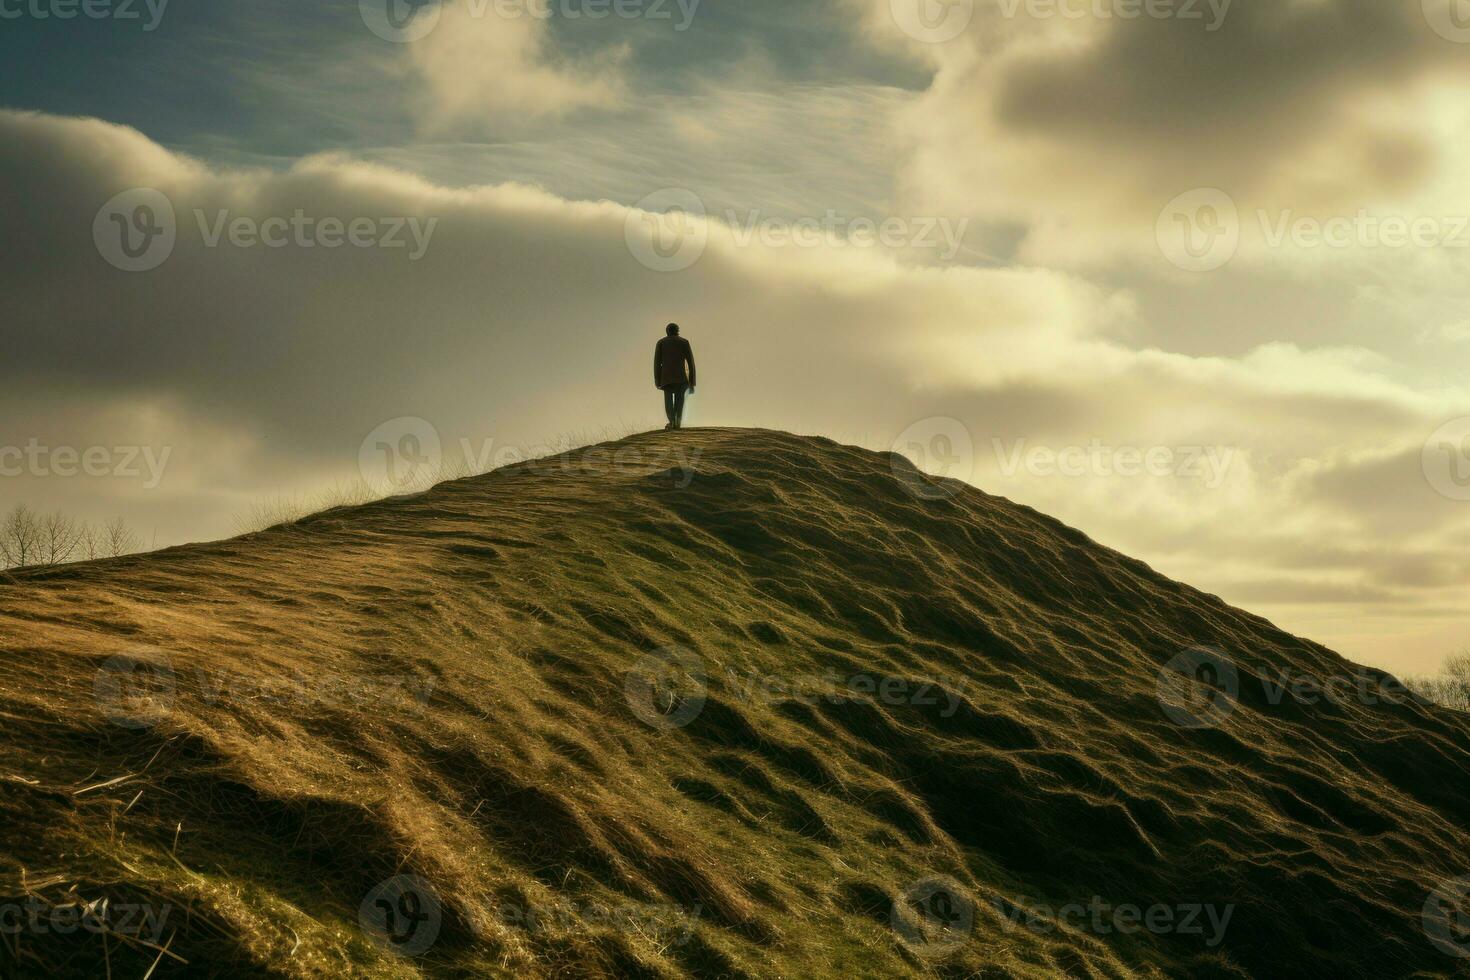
column 712, row 703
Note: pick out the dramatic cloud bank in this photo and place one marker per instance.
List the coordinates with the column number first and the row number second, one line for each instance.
column 1081, row 120
column 300, row 309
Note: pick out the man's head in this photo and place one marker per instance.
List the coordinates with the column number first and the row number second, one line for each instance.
column 673, row 330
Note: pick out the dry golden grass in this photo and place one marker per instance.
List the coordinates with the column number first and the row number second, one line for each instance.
column 444, row 686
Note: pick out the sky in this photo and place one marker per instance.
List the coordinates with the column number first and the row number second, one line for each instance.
column 1186, row 274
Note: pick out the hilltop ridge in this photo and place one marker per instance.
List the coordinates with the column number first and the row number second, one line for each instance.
column 710, row 703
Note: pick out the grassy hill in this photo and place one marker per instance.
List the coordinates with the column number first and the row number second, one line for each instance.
column 711, row 703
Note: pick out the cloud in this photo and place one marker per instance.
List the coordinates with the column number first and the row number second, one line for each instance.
column 480, row 65
column 1082, row 128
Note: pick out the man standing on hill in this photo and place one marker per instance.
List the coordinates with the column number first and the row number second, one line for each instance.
column 670, row 358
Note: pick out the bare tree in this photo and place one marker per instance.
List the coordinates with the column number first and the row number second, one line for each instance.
column 1450, row 687
column 59, row 539
column 20, row 537
column 90, row 545
column 27, row 538
column 118, row 539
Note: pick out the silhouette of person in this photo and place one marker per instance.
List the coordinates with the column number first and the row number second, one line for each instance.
column 670, row 358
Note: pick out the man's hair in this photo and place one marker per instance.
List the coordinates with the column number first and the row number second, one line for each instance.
column 673, row 329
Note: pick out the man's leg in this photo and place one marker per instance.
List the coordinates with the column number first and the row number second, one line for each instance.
column 679, row 406
column 669, row 405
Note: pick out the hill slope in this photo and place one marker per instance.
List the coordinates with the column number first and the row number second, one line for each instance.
column 709, row 703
